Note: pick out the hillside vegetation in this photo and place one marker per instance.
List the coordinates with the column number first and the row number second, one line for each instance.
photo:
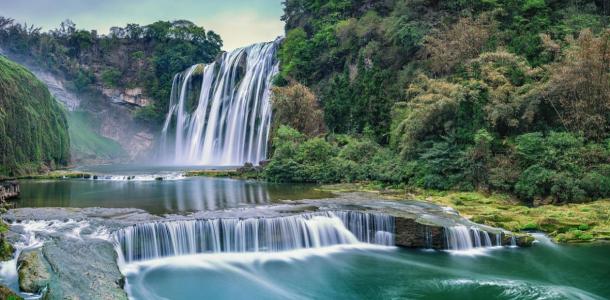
column 510, row 96
column 132, row 56
column 33, row 127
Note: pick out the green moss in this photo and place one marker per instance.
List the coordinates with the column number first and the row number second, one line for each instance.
column 530, row 226
column 6, row 293
column 33, row 126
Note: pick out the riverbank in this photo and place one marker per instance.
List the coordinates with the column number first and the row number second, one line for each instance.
column 569, row 223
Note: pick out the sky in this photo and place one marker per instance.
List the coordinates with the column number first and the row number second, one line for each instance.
column 239, row 22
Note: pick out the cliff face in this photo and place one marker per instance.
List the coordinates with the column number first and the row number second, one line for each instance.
column 101, row 124
column 8, row 190
column 33, row 127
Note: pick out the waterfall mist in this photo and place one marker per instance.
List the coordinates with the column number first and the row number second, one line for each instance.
column 224, row 120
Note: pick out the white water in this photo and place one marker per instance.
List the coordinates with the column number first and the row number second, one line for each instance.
column 32, row 236
column 461, row 239
column 146, row 177
column 315, row 230
column 230, row 124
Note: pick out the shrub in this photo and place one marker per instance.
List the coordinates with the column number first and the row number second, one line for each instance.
column 111, row 77
column 296, row 106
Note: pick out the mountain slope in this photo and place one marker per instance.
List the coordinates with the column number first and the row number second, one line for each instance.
column 33, row 126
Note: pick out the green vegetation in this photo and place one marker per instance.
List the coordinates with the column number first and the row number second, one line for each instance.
column 86, row 143
column 33, row 127
column 506, row 96
column 6, row 249
column 142, row 56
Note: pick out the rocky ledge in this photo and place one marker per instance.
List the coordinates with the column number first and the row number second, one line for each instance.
column 9, row 190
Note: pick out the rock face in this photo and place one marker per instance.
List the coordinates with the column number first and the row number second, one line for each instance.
column 133, row 96
column 9, row 190
column 411, row 234
column 111, row 118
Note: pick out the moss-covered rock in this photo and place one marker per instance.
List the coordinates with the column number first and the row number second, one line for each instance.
column 34, row 275
column 6, row 249
column 7, row 294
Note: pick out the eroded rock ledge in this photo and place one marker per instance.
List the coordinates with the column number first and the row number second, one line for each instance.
column 9, row 190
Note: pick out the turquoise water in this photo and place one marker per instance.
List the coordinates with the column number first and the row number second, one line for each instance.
column 545, row 271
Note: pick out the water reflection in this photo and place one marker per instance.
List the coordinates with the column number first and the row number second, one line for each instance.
column 167, row 196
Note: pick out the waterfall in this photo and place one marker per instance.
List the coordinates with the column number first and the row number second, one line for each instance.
column 460, row 237
column 229, row 123
column 313, row 230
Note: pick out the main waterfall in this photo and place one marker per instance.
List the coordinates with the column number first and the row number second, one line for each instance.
column 226, row 122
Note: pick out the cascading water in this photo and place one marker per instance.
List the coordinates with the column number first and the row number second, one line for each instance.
column 229, row 125
column 460, row 237
column 314, row 230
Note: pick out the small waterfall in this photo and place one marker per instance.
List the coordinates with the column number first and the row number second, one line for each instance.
column 227, row 122
column 428, row 237
column 460, row 237
column 498, row 239
column 513, row 241
column 162, row 239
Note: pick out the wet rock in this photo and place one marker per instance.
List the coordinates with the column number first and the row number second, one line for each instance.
column 411, row 234
column 6, row 293
column 83, row 269
column 6, row 249
column 34, row 272
column 525, row 240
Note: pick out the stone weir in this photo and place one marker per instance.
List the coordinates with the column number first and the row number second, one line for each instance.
column 9, row 190
column 73, row 253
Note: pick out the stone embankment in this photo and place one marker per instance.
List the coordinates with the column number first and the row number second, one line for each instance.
column 9, row 190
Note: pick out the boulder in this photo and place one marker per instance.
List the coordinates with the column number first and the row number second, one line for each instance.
column 34, row 274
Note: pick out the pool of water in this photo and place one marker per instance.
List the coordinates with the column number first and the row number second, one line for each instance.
column 545, row 271
column 160, row 197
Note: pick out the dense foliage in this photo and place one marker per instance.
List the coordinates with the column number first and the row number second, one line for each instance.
column 33, row 127
column 130, row 56
column 501, row 95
